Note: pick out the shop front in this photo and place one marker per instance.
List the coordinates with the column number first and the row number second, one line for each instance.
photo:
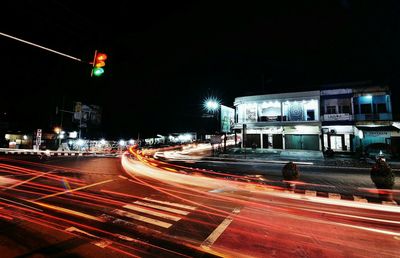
column 338, row 138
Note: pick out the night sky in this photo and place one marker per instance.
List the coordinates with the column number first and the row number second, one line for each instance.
column 165, row 58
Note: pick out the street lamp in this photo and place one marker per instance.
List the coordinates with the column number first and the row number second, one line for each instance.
column 211, row 104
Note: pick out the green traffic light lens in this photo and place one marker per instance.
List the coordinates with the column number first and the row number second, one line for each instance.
column 98, row 71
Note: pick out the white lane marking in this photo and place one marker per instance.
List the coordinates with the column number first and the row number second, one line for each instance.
column 74, row 229
column 218, row 231
column 142, row 218
column 155, row 213
column 171, row 204
column 159, row 207
column 102, row 243
column 126, row 238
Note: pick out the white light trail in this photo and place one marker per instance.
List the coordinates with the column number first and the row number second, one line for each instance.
column 39, row 46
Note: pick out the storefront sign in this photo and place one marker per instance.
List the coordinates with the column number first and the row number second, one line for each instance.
column 384, row 134
column 335, row 117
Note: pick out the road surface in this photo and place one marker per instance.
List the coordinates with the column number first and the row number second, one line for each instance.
column 108, row 207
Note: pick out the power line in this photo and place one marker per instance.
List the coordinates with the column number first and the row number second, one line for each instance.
column 42, row 47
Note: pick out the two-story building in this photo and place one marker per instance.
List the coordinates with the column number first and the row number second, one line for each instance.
column 341, row 119
column 337, row 123
column 280, row 121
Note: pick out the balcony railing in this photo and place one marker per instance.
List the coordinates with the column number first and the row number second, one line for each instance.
column 369, row 117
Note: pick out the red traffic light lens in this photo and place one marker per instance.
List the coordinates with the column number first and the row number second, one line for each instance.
column 101, row 57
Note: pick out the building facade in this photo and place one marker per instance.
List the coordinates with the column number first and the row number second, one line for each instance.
column 341, row 119
column 280, row 121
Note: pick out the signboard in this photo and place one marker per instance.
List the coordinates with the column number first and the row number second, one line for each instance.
column 335, row 117
column 216, row 139
column 384, row 134
column 227, row 119
column 38, row 138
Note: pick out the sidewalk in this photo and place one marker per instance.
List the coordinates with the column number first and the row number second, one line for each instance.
column 298, row 156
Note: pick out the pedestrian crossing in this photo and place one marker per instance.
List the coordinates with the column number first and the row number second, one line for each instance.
column 158, row 213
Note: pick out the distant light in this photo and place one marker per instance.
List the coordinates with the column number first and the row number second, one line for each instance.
column 360, row 134
column 61, row 136
column 121, row 143
column 80, row 142
column 73, row 134
column 57, row 130
column 70, row 142
column 25, row 137
column 62, row 132
column 131, row 141
column 102, row 141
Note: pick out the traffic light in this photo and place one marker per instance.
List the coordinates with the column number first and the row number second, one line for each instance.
column 98, row 63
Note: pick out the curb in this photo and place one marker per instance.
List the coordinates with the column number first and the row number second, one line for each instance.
column 286, row 161
column 333, row 196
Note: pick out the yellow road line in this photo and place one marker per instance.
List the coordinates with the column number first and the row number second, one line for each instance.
column 73, row 190
column 68, row 211
column 26, row 181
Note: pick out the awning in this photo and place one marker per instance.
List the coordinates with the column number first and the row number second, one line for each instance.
column 388, row 128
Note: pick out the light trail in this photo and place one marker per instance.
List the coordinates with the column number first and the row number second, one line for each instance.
column 39, row 46
column 96, row 229
column 74, row 190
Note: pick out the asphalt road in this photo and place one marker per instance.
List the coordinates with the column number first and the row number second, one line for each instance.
column 324, row 179
column 94, row 207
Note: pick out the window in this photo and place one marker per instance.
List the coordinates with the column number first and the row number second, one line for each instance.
column 381, row 108
column 310, row 115
column 331, row 109
column 356, row 109
column 366, row 109
column 344, row 110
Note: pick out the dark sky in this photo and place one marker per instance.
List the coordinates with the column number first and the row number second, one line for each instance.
column 165, row 57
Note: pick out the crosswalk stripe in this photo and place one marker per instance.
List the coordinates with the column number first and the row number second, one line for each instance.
column 155, row 213
column 142, row 218
column 171, row 203
column 159, row 207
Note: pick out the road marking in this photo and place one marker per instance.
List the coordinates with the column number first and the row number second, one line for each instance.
column 159, row 207
column 18, row 203
column 218, row 231
column 26, row 181
column 74, row 229
column 102, row 243
column 73, row 190
column 123, row 177
column 171, row 203
column 155, row 213
column 68, row 211
column 142, row 218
